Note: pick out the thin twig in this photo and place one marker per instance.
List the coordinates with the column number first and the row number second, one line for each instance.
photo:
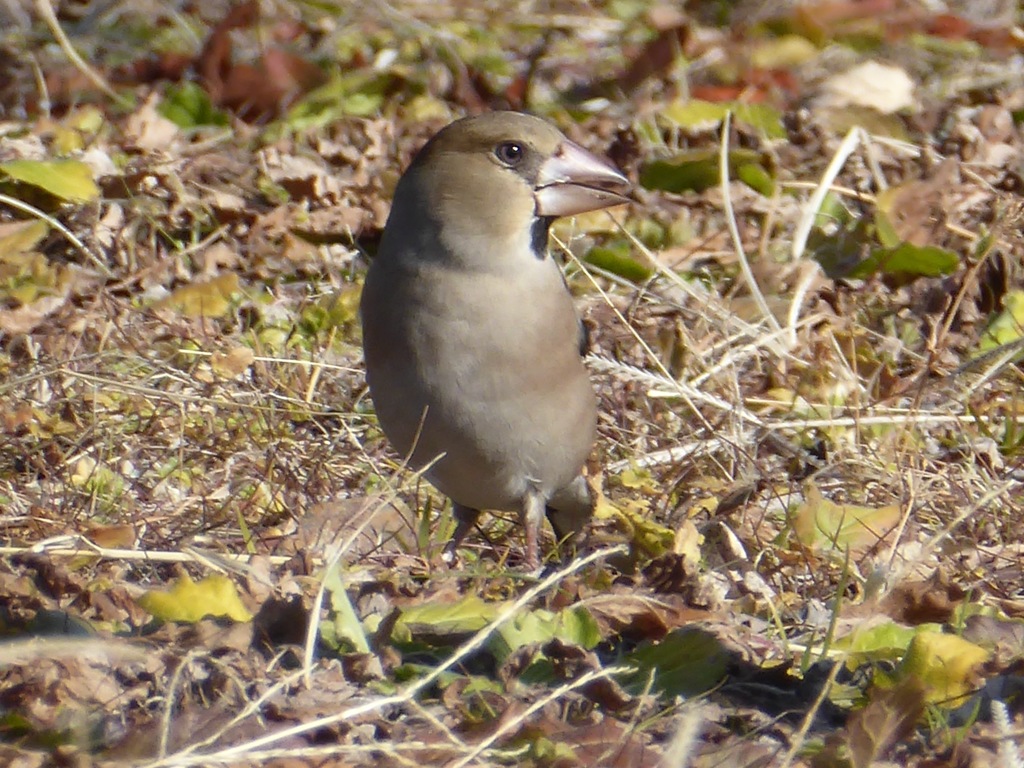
column 46, row 12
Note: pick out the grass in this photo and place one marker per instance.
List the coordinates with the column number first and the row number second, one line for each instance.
column 782, row 453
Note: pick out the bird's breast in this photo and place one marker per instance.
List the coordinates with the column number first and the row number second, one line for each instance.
column 483, row 367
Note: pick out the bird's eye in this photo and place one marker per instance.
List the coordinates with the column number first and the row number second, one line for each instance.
column 509, row 152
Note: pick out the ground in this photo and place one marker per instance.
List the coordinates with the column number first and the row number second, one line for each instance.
column 805, row 336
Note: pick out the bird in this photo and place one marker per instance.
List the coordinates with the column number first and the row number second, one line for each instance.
column 471, row 340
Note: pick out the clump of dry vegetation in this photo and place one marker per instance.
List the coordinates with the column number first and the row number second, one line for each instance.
column 806, row 340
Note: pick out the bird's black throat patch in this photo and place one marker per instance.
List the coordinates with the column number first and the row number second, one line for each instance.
column 539, row 236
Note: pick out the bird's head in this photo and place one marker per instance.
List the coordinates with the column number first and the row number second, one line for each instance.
column 500, row 176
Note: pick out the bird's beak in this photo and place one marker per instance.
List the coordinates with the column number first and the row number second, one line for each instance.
column 575, row 181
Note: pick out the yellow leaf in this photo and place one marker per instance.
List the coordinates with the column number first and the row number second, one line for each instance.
column 639, row 480
column 227, row 365
column 687, row 544
column 946, row 665
column 821, row 524
column 66, row 140
column 21, row 236
column 209, row 299
column 87, row 119
column 784, row 52
column 28, row 276
column 69, row 180
column 113, row 536
column 1006, row 327
column 469, row 614
column 85, row 468
column 632, row 519
column 189, row 601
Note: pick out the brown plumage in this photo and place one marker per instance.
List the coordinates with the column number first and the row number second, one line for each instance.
column 471, row 338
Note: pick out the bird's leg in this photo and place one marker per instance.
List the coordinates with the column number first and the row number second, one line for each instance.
column 465, row 519
column 531, row 516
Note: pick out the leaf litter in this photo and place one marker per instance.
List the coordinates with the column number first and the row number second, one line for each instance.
column 808, row 547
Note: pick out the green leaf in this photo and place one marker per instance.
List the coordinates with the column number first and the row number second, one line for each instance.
column 697, row 170
column 343, row 627
column 572, row 625
column 465, row 616
column 69, row 180
column 616, row 258
column 698, row 115
column 1006, row 327
column 188, row 106
column 907, row 260
column 763, row 117
column 54, row 623
column 354, row 94
column 687, row 662
column 695, row 114
column 839, row 252
column 756, row 176
column 886, row 641
column 985, row 243
column 692, row 170
column 885, row 229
